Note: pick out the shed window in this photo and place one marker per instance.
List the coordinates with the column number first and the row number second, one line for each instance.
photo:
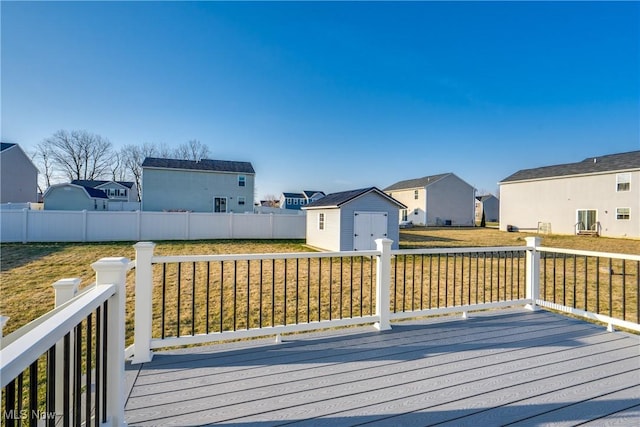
column 623, row 182
column 321, row 221
column 622, row 213
column 242, row 180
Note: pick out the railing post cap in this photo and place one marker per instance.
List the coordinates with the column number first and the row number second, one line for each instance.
column 144, row 245
column 3, row 321
column 533, row 240
column 111, row 263
column 68, row 283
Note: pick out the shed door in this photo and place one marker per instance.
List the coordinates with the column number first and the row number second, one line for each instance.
column 367, row 227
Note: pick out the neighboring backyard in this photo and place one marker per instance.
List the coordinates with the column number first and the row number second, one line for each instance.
column 29, row 270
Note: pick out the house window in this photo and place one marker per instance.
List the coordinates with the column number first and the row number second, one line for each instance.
column 404, row 214
column 241, row 201
column 623, row 181
column 622, row 213
column 242, row 180
column 415, row 194
column 321, row 221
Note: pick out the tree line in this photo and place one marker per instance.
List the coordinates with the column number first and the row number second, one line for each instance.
column 82, row 155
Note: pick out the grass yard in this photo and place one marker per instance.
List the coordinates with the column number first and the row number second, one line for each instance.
column 29, row 270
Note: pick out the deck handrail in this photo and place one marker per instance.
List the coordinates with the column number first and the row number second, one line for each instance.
column 58, row 336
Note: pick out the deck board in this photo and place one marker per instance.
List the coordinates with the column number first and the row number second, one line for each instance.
column 495, row 368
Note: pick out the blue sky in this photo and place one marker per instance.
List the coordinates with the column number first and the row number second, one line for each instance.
column 332, row 96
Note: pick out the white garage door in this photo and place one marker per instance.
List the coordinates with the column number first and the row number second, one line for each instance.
column 367, row 227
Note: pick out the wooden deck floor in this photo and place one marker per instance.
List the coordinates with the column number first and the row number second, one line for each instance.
column 510, row 367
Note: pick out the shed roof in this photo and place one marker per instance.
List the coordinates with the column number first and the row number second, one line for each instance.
column 97, row 183
column 416, row 182
column 590, row 165
column 201, row 165
column 93, row 193
column 336, row 200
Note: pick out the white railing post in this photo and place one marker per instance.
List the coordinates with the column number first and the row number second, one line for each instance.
column 113, row 271
column 383, row 283
column 143, row 306
column 65, row 290
column 3, row 321
column 532, row 272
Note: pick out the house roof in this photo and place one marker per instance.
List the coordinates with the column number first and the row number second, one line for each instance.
column 417, row 182
column 98, row 183
column 336, row 200
column 484, row 197
column 294, row 195
column 6, row 145
column 201, row 165
column 93, row 193
column 590, row 165
column 311, row 193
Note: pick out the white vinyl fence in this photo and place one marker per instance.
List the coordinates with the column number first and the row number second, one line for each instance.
column 87, row 226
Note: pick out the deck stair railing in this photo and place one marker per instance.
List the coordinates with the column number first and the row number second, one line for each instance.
column 67, row 367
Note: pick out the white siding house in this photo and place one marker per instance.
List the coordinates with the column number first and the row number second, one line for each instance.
column 352, row 220
column 597, row 195
column 197, row 186
column 18, row 175
column 435, row 200
column 489, row 205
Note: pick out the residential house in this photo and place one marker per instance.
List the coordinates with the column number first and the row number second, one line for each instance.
column 353, row 220
column 435, row 200
column 75, row 197
column 18, row 175
column 598, row 195
column 198, row 186
column 117, row 191
column 298, row 200
column 489, row 206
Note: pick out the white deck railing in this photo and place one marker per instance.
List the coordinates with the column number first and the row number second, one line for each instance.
column 56, row 338
column 250, row 295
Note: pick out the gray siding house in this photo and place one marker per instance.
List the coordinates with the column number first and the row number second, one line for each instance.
column 489, row 205
column 598, row 195
column 435, row 200
column 197, row 186
column 353, row 220
column 18, row 175
column 74, row 197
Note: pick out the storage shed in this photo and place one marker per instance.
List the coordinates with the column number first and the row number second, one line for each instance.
column 353, row 220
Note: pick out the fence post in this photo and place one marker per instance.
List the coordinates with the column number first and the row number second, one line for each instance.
column 143, row 307
column 25, row 225
column 532, row 272
column 383, row 283
column 113, row 271
column 65, row 290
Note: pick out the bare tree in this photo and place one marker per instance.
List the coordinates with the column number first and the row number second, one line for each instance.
column 192, row 150
column 271, row 201
column 79, row 154
column 41, row 156
column 132, row 157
